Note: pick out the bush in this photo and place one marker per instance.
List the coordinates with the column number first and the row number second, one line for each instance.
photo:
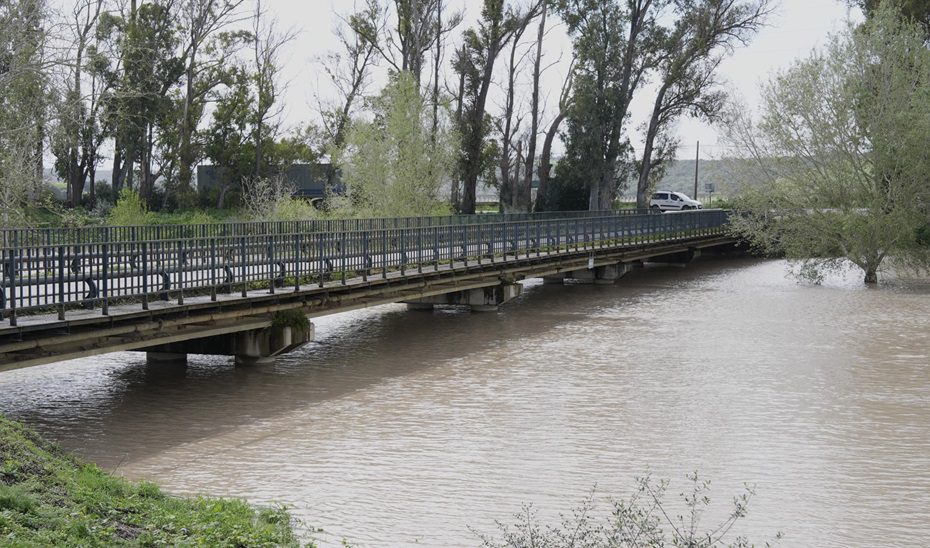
column 270, row 199
column 639, row 521
column 129, row 210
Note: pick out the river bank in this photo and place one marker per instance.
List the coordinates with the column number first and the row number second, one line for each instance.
column 49, row 498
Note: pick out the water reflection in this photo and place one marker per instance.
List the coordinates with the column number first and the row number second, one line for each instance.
column 401, row 427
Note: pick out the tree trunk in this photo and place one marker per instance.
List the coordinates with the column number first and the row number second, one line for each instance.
column 92, row 179
column 186, row 152
column 526, row 201
column 545, row 163
column 642, row 184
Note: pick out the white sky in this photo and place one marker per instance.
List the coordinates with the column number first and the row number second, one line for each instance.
column 796, row 27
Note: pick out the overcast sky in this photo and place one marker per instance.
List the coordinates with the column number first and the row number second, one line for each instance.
column 796, row 27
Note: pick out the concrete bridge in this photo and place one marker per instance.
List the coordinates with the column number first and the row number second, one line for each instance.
column 244, row 289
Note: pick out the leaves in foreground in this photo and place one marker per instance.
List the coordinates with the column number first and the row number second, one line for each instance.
column 642, row 520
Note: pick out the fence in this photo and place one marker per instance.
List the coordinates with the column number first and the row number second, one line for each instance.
column 129, row 264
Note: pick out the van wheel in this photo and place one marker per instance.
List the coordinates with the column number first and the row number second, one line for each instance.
column 685, row 208
column 654, row 207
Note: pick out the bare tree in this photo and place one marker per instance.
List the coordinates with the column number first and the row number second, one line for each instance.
column 475, row 62
column 78, row 137
column 702, row 36
column 526, row 189
column 202, row 21
column 348, row 70
column 545, row 157
column 510, row 160
column 268, row 41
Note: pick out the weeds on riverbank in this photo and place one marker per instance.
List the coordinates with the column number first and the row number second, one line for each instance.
column 48, row 498
column 642, row 520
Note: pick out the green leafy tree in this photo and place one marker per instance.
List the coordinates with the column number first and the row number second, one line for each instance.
column 142, row 108
column 842, row 147
column 24, row 81
column 918, row 10
column 393, row 166
column 615, row 43
column 207, row 47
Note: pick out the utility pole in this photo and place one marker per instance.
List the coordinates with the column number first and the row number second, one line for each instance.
column 697, row 161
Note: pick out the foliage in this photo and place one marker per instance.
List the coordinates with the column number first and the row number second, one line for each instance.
column 918, row 10
column 50, row 499
column 394, row 166
column 294, row 319
column 129, row 210
column 842, row 143
column 614, row 47
column 642, row 520
column 270, row 199
column 23, row 103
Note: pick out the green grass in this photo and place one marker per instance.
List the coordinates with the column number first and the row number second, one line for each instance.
column 48, row 498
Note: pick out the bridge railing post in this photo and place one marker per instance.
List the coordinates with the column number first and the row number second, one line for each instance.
column 297, row 269
column 179, row 271
column 145, row 275
column 61, row 283
column 243, row 267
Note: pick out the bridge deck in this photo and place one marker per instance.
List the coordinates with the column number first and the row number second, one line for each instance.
column 200, row 304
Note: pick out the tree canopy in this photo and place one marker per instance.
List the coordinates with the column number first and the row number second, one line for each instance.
column 842, row 147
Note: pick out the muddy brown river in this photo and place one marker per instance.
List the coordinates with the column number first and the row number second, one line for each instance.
column 402, row 428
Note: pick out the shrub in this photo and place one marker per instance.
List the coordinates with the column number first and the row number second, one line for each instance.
column 639, row 521
column 129, row 210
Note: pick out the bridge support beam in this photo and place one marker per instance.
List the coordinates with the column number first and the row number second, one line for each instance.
column 486, row 299
column 255, row 347
column 682, row 257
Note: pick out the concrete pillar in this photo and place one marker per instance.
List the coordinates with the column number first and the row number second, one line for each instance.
column 260, row 347
column 601, row 275
column 425, row 307
column 486, row 299
column 582, row 276
column 606, row 275
column 555, row 279
column 249, row 347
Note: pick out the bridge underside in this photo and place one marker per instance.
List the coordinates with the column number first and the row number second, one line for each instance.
column 243, row 326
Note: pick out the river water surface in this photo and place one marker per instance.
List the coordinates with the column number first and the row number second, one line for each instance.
column 400, row 428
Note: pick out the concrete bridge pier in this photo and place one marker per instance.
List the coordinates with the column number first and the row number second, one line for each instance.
column 255, row 347
column 601, row 275
column 486, row 299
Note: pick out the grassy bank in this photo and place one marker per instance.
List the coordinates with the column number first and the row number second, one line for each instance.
column 48, row 498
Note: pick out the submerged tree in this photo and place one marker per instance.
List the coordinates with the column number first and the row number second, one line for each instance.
column 842, row 149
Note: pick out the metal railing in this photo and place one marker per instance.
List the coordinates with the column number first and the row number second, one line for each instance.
column 95, row 234
column 65, row 275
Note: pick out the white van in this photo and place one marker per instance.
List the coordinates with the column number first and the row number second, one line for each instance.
column 665, row 200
